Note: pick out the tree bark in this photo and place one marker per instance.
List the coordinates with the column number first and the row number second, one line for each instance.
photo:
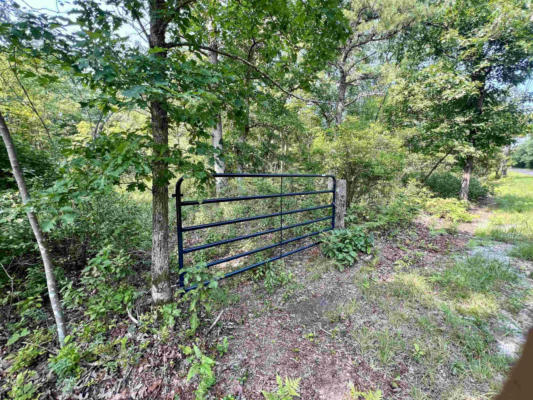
column 341, row 97
column 160, row 286
column 36, row 228
column 469, row 164
column 216, row 135
column 505, row 161
column 467, row 173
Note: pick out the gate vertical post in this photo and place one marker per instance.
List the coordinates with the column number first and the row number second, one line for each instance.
column 334, row 187
column 339, row 207
column 179, row 227
column 281, row 215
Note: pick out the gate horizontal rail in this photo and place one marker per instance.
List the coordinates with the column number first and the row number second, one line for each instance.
column 181, row 229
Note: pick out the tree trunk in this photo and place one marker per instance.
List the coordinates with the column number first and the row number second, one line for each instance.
column 435, row 166
column 216, row 135
column 48, row 267
column 341, row 97
column 220, row 165
column 505, row 161
column 467, row 173
column 160, row 287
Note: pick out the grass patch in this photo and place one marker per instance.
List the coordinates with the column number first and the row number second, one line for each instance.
column 477, row 274
column 478, row 305
column 523, row 251
column 412, row 286
column 512, row 220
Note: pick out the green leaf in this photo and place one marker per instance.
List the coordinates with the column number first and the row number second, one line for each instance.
column 18, row 335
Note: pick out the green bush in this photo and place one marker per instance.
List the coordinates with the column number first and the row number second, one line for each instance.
column 66, row 364
column 110, row 218
column 344, row 245
column 15, row 235
column 102, row 290
column 453, row 210
column 448, row 185
column 368, row 156
column 23, row 388
column 35, row 163
column 400, row 210
column 523, row 154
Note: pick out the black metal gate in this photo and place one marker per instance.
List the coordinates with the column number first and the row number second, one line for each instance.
column 183, row 229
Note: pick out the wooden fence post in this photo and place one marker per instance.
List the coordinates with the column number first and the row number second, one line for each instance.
column 340, row 203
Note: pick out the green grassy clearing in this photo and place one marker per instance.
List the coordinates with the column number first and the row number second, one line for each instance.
column 512, row 220
column 445, row 320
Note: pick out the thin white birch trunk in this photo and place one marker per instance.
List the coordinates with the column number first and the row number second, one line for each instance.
column 48, row 266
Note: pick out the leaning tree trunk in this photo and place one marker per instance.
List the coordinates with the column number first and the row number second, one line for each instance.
column 34, row 222
column 160, row 287
column 467, row 173
column 216, row 135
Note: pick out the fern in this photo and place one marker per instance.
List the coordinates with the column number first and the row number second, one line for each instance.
column 286, row 390
column 368, row 395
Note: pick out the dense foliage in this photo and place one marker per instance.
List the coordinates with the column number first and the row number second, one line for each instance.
column 523, row 154
column 447, row 185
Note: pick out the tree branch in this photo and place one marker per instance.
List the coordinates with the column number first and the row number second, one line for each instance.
column 32, row 106
column 249, row 64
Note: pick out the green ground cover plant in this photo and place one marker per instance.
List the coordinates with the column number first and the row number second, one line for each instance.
column 345, row 245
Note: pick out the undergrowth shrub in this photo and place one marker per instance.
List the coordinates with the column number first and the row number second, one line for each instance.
column 102, row 290
column 110, row 218
column 274, row 274
column 15, row 235
column 201, row 366
column 287, row 389
column 450, row 209
column 398, row 210
column 448, row 185
column 22, row 388
column 368, row 156
column 66, row 364
column 344, row 245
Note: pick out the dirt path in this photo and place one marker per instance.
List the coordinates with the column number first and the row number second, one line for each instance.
column 522, row 171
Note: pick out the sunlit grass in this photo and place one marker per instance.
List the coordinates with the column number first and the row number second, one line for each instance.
column 414, row 287
column 475, row 274
column 512, row 219
column 523, row 250
column 478, row 305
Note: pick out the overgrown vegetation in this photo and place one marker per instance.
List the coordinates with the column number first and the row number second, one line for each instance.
column 105, row 104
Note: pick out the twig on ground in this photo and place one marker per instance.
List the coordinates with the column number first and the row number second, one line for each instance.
column 125, row 378
column 329, row 333
column 215, row 321
column 131, row 317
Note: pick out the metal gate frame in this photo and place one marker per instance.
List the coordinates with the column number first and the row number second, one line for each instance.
column 181, row 229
